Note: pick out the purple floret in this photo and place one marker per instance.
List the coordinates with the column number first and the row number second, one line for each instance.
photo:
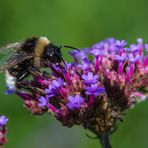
column 140, row 40
column 120, row 58
column 146, row 47
column 84, row 53
column 134, row 48
column 94, row 89
column 97, row 51
column 90, row 78
column 50, row 90
column 133, row 58
column 75, row 102
column 43, row 101
column 3, row 120
column 120, row 44
column 85, row 64
column 54, row 86
column 110, row 40
column 57, row 83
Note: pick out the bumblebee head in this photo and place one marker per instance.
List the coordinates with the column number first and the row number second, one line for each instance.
column 52, row 54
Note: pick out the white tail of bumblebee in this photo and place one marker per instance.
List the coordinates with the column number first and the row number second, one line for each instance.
column 10, row 81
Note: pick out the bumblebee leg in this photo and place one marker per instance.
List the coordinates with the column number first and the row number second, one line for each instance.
column 34, row 71
column 23, row 75
column 31, row 70
column 29, row 87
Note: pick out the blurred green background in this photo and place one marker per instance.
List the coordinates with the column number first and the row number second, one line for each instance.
column 79, row 23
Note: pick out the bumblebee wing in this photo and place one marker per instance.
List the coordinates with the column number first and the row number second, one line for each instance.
column 14, row 60
column 15, row 45
column 10, row 47
column 7, row 51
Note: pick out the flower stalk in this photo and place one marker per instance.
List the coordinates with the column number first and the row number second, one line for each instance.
column 105, row 141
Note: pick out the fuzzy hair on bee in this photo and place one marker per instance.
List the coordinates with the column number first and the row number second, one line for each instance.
column 29, row 56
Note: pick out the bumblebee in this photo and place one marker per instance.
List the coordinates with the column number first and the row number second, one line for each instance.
column 33, row 53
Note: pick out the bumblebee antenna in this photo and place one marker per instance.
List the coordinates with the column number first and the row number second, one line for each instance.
column 70, row 47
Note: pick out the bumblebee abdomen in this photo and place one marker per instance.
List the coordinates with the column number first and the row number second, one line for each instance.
column 30, row 44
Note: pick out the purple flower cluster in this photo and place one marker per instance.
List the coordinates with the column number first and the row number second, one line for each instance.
column 93, row 92
column 3, row 131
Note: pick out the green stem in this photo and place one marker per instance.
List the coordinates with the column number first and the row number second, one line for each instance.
column 105, row 141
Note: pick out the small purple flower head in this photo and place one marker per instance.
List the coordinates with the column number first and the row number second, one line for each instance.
column 54, row 86
column 97, row 51
column 85, row 64
column 133, row 59
column 87, row 51
column 140, row 40
column 133, row 48
column 110, row 40
column 75, row 102
column 43, row 101
column 120, row 58
column 3, row 129
column 120, row 44
column 51, row 90
column 3, row 120
column 94, row 89
column 84, row 53
column 74, row 54
column 90, row 78
column 146, row 47
column 99, row 45
column 57, row 83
